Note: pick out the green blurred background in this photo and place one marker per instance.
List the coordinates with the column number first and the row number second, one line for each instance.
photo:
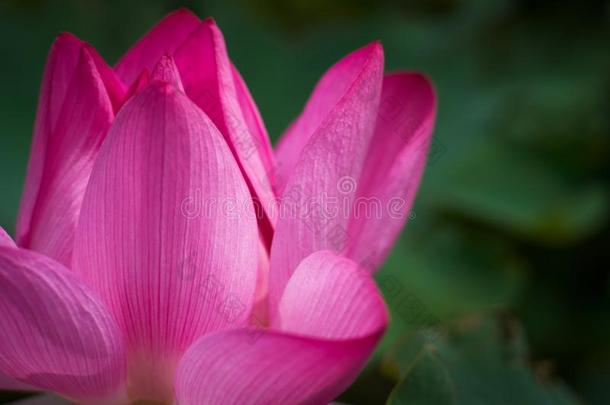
column 499, row 287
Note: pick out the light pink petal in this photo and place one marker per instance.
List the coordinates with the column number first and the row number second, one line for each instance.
column 56, row 335
column 393, row 168
column 332, row 315
column 166, row 71
column 7, row 383
column 328, row 165
column 5, row 239
column 167, row 234
column 61, row 63
column 70, row 148
column 338, row 81
column 331, row 297
column 163, row 39
column 209, row 80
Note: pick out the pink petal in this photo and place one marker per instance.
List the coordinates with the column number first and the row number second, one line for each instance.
column 393, row 168
column 255, row 124
column 58, row 73
column 333, row 155
column 338, row 81
column 63, row 153
column 5, row 239
column 333, row 316
column 7, row 383
column 209, row 80
column 167, row 234
column 331, row 297
column 114, row 86
column 56, row 335
column 163, row 39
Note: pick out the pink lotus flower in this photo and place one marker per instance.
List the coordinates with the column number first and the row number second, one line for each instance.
column 114, row 294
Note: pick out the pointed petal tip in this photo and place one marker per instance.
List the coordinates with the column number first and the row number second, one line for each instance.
column 166, row 71
column 65, row 36
column 184, row 11
column 375, row 48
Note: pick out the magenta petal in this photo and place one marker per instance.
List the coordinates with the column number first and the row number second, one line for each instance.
column 332, row 315
column 138, row 85
column 327, row 168
column 114, row 86
column 209, row 80
column 55, row 334
column 163, row 39
column 167, row 233
column 393, row 168
column 63, row 153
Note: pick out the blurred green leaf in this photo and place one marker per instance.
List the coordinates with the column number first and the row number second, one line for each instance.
column 480, row 361
column 428, row 382
column 445, row 272
column 505, row 187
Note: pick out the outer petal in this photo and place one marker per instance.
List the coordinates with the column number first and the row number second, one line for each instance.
column 209, row 80
column 114, row 86
column 333, row 316
column 66, row 142
column 167, row 234
column 316, row 203
column 164, row 38
column 56, row 335
column 393, row 167
column 58, row 73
